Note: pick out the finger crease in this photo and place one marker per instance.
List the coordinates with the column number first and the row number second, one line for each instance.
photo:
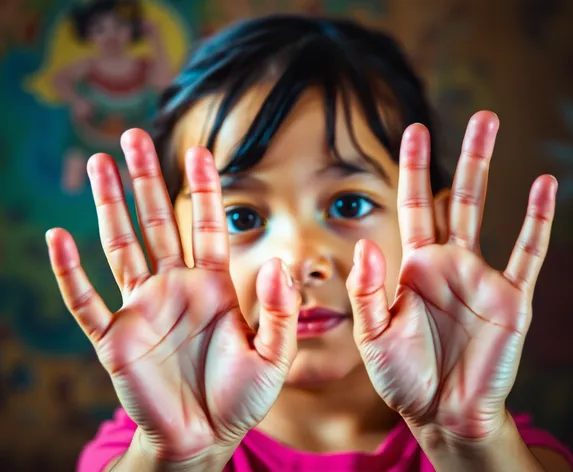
column 169, row 261
column 120, row 242
column 461, row 239
column 465, row 198
column 529, row 248
column 145, row 174
column 82, row 301
column 518, row 281
column 539, row 216
column 109, row 200
column 66, row 272
column 157, row 219
column 416, row 202
column 206, row 188
column 414, row 165
column 211, row 265
column 130, row 283
column 207, row 227
column 415, row 243
column 475, row 156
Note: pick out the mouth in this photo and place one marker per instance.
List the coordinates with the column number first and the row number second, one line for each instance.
column 316, row 321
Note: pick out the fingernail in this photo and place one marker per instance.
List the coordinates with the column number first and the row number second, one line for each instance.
column 554, row 187
column 358, row 252
column 49, row 235
column 555, row 183
column 287, row 275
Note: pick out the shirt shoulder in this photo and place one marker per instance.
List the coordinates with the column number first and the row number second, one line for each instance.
column 535, row 437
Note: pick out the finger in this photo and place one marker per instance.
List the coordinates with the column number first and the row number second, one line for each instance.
column 470, row 181
column 531, row 246
column 415, row 209
column 120, row 244
column 154, row 209
column 79, row 296
column 210, row 238
column 276, row 336
column 367, row 293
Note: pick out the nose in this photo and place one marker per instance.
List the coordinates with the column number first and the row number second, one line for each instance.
column 309, row 263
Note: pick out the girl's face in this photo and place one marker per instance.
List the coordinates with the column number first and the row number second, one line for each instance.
column 110, row 33
column 302, row 205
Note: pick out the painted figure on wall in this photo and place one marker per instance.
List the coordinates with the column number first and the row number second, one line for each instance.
column 122, row 59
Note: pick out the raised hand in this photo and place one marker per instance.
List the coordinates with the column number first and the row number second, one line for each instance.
column 446, row 353
column 184, row 363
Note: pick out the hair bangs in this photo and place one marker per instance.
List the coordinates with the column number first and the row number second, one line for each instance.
column 313, row 62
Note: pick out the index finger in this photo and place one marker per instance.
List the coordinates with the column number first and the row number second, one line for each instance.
column 531, row 247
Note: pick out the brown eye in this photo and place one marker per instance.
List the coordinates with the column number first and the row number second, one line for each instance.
column 243, row 218
column 351, row 205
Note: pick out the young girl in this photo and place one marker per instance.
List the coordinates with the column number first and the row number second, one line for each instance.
column 317, row 300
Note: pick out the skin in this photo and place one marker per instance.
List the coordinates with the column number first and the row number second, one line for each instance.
column 397, row 269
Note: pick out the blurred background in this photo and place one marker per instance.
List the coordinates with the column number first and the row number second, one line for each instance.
column 512, row 56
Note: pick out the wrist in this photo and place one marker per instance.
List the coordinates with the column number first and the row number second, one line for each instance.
column 502, row 449
column 143, row 457
column 462, row 437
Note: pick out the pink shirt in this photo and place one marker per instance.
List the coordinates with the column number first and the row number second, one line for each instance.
column 399, row 452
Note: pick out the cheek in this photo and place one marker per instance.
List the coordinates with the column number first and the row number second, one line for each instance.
column 387, row 237
column 183, row 216
column 244, row 275
column 243, row 267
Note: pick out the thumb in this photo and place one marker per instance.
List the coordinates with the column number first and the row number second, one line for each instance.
column 367, row 293
column 275, row 340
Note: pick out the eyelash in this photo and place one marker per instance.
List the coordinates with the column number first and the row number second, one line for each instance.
column 254, row 216
column 234, row 209
column 358, row 196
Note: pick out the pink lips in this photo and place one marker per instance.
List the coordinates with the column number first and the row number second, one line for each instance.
column 313, row 322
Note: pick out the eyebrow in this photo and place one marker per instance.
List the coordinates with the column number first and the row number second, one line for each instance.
column 240, row 181
column 243, row 180
column 342, row 168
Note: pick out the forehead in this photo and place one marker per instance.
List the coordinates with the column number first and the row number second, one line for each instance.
column 303, row 134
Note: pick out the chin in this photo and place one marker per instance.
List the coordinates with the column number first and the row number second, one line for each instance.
column 317, row 368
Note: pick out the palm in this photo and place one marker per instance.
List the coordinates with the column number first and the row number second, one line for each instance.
column 184, row 363
column 438, row 328
column 158, row 340
column 446, row 352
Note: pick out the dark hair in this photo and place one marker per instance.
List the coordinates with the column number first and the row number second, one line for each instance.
column 339, row 56
column 128, row 10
